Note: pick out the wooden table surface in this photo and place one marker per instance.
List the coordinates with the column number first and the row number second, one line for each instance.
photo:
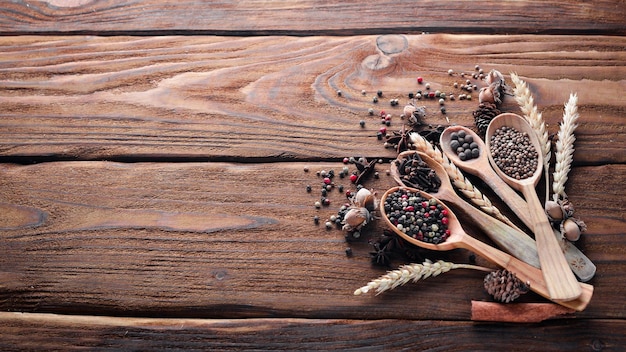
column 152, row 184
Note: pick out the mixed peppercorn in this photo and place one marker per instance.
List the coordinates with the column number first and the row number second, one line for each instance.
column 420, row 218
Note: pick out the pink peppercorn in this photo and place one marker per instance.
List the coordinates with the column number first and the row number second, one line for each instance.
column 327, row 180
column 420, row 80
column 353, row 178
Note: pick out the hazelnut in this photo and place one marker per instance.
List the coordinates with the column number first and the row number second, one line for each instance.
column 570, row 229
column 366, row 199
column 355, row 218
column 486, row 95
column 554, row 211
column 409, row 110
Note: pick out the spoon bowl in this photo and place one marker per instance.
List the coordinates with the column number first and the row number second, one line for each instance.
column 459, row 239
column 509, row 239
column 446, row 138
column 520, row 124
column 559, row 278
column 480, row 167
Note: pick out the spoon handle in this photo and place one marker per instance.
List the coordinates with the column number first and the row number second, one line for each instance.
column 511, row 240
column 528, row 274
column 580, row 264
column 561, row 282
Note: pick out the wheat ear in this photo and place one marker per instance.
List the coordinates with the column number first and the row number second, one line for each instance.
column 458, row 179
column 412, row 272
column 526, row 103
column 565, row 147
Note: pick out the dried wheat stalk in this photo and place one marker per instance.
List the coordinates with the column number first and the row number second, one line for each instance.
column 526, row 103
column 458, row 179
column 565, row 147
column 413, row 272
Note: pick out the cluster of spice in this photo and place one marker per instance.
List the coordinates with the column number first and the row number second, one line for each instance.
column 417, row 217
column 415, row 173
column 513, row 152
column 464, row 145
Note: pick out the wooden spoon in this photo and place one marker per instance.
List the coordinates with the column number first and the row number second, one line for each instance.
column 560, row 280
column 459, row 239
column 580, row 264
column 511, row 240
column 480, row 167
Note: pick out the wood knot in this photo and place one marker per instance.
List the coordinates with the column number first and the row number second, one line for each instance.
column 387, row 45
column 392, row 44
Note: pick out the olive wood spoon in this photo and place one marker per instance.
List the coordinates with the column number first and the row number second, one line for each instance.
column 561, row 282
column 580, row 264
column 460, row 239
column 511, row 240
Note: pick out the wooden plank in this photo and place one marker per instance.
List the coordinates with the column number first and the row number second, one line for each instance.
column 312, row 17
column 238, row 240
column 275, row 98
column 44, row 332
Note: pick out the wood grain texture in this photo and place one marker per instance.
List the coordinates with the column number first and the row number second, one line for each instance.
column 313, row 17
column 275, row 98
column 45, row 332
column 236, row 240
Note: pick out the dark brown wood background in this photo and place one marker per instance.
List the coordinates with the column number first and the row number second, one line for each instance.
column 152, row 155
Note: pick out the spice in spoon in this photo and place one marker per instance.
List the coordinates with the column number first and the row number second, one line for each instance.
column 423, row 219
column 513, row 152
column 464, row 146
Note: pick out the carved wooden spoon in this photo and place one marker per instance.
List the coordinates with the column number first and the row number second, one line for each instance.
column 459, row 239
column 580, row 264
column 511, row 240
column 561, row 283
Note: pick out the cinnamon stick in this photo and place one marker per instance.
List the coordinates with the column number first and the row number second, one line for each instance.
column 516, row 312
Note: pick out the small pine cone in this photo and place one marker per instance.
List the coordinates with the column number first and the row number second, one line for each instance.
column 504, row 286
column 485, row 113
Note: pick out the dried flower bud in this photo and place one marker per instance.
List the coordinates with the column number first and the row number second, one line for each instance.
column 554, row 211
